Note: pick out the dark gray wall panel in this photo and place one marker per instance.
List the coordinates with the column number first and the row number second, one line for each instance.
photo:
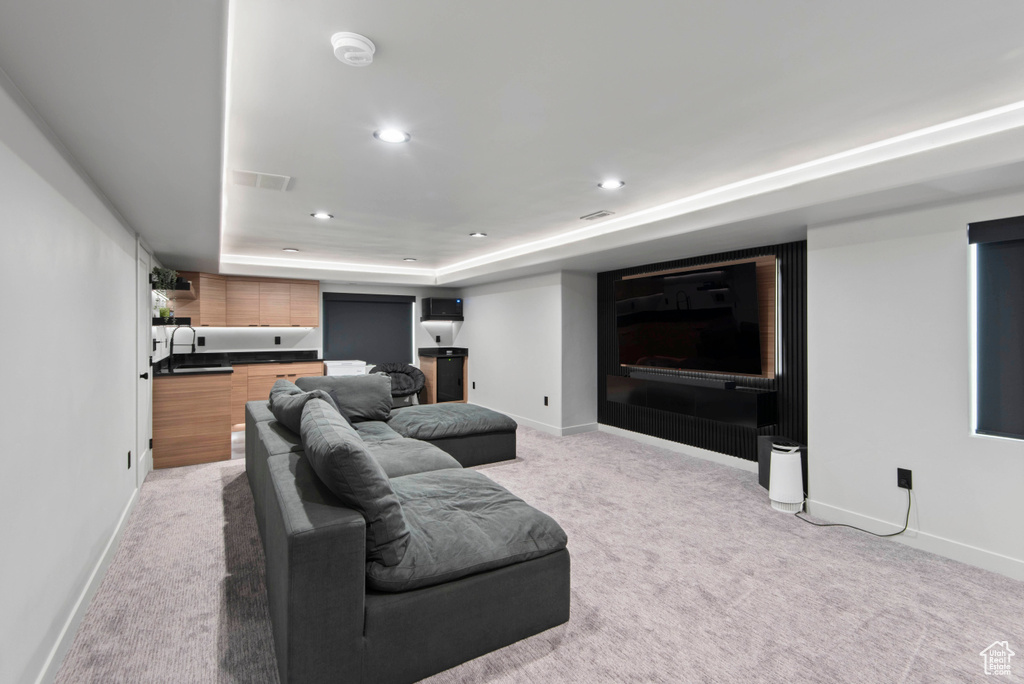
column 790, row 384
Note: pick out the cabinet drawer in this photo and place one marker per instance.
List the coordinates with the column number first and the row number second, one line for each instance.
column 298, row 369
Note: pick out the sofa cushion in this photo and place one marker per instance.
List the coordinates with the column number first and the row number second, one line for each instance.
column 437, row 421
column 339, row 457
column 461, row 523
column 403, row 456
column 375, row 431
column 287, row 401
column 277, row 439
column 359, row 397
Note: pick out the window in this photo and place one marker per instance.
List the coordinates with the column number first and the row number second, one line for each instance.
column 371, row 328
column 999, row 335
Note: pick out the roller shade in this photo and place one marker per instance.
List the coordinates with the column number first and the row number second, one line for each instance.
column 1000, row 321
column 999, row 230
column 372, row 328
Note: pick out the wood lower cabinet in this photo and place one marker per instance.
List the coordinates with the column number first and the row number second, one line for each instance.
column 239, row 395
column 259, row 378
column 243, row 302
column 191, row 419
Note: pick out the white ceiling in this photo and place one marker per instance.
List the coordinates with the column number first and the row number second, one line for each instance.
column 516, row 111
column 134, row 91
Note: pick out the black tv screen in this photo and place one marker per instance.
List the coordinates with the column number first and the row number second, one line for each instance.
column 704, row 320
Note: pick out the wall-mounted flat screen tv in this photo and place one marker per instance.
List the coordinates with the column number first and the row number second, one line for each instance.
column 702, row 320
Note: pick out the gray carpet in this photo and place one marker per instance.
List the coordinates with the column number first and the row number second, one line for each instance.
column 681, row 573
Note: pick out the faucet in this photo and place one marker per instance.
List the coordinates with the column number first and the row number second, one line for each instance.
column 170, row 357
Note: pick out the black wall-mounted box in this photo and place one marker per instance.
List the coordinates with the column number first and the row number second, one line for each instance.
column 437, row 309
column 443, row 351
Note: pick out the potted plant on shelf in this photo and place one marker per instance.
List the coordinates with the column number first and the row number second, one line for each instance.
column 165, row 313
column 164, row 278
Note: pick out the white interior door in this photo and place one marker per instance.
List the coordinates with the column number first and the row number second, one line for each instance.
column 144, row 395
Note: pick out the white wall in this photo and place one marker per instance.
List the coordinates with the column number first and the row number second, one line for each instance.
column 579, row 351
column 890, row 386
column 523, row 335
column 68, row 272
column 249, row 339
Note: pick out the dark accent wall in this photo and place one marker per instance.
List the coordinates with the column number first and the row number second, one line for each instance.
column 790, row 383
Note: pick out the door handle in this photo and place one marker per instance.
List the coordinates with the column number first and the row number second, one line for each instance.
column 145, row 376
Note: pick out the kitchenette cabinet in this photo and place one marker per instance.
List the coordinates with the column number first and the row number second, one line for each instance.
column 259, row 378
column 241, row 302
column 275, row 304
column 191, row 419
column 209, row 308
column 304, row 304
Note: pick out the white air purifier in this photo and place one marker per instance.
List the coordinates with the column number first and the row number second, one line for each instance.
column 786, row 481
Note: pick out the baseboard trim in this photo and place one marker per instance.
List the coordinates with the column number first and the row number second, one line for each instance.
column 578, row 429
column 145, row 465
column 707, row 455
column 67, row 634
column 958, row 551
column 544, row 427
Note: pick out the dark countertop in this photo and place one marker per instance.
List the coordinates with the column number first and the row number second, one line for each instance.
column 221, row 362
column 191, row 372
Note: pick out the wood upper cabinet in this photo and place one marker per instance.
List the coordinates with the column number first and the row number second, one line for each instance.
column 248, row 302
column 208, row 308
column 305, row 304
column 213, row 300
column 275, row 303
column 243, row 302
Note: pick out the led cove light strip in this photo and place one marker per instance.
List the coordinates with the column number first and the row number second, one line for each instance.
column 322, row 265
column 958, row 130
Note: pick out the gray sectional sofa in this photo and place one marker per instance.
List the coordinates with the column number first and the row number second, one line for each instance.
column 386, row 560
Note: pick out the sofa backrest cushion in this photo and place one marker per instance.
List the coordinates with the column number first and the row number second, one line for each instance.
column 340, row 459
column 287, row 401
column 358, row 397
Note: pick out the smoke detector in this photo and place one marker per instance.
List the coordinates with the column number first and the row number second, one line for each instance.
column 353, row 49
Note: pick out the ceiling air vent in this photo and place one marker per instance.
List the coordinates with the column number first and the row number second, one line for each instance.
column 264, row 181
column 597, row 214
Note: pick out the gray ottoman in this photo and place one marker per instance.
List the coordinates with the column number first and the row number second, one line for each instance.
column 474, row 435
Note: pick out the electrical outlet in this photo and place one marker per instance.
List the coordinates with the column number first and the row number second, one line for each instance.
column 904, row 479
column 201, row 342
column 545, row 401
column 277, row 340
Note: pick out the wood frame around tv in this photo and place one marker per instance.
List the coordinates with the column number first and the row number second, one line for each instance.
column 767, row 300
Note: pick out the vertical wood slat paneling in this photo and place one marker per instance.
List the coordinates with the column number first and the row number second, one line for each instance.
column 790, row 384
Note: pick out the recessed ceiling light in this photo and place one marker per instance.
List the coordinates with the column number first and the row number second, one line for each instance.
column 391, row 135
column 478, row 235
column 289, row 249
column 322, row 215
column 612, row 184
column 408, row 259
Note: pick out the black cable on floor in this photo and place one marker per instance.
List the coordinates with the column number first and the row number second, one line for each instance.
column 906, row 523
